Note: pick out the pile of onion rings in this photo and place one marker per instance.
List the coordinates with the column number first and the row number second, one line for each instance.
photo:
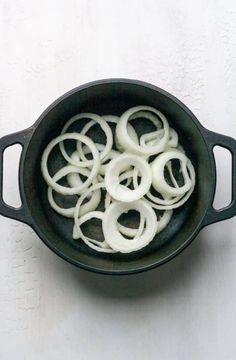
column 149, row 173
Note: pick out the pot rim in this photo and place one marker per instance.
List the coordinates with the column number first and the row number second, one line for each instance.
column 134, row 270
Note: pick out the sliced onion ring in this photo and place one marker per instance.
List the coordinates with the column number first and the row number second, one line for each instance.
column 152, row 197
column 150, row 139
column 90, row 205
column 147, row 114
column 111, row 118
column 125, row 230
column 63, row 189
column 111, row 155
column 131, row 131
column 77, row 211
column 95, row 119
column 164, row 220
column 105, row 149
column 74, row 179
column 158, row 178
column 126, row 175
column 132, row 134
column 112, row 235
column 162, row 223
column 130, row 232
column 112, row 180
column 128, row 144
column 100, row 246
column 174, row 203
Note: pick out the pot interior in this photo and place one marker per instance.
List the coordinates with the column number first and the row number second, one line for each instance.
column 115, row 97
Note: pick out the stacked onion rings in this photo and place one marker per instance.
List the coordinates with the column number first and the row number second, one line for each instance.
column 150, row 174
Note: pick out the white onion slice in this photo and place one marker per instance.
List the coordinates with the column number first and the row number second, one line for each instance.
column 63, row 189
column 74, row 179
column 152, row 138
column 95, row 119
column 112, row 235
column 147, row 114
column 164, row 220
column 108, row 200
column 169, row 167
column 158, row 178
column 168, row 203
column 112, row 180
column 111, row 155
column 105, row 149
column 168, row 200
column 181, row 149
column 174, row 203
column 111, row 118
column 131, row 131
column 77, row 211
column 78, row 207
column 172, row 206
column 162, row 224
column 128, row 144
column 100, row 246
column 75, row 233
column 132, row 134
column 127, row 175
column 132, row 232
column 173, row 139
column 90, row 205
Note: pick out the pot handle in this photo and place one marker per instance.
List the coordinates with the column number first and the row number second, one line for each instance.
column 21, row 213
column 229, row 211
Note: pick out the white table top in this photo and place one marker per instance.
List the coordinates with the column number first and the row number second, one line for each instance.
column 52, row 310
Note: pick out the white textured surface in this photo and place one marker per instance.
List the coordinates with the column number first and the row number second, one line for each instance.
column 184, row 310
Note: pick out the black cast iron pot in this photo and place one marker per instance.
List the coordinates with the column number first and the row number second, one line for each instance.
column 114, row 96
